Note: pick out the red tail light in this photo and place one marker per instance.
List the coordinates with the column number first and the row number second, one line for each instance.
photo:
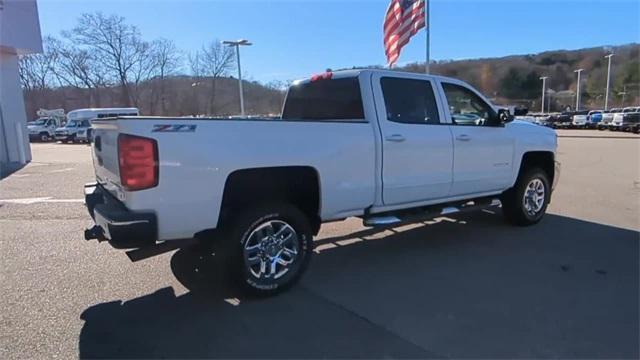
column 138, row 159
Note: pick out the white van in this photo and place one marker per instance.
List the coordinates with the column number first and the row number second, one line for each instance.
column 78, row 127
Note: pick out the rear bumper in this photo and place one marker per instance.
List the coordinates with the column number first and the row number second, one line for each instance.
column 123, row 228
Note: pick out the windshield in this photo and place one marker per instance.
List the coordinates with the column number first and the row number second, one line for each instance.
column 38, row 122
column 73, row 123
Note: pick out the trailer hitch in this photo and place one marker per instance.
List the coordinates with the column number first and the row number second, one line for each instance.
column 94, row 233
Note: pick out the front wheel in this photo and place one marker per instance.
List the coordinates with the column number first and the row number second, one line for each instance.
column 268, row 248
column 526, row 203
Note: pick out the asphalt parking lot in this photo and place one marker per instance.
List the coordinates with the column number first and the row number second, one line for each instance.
column 466, row 286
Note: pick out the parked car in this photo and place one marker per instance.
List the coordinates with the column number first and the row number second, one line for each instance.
column 618, row 117
column 42, row 129
column 78, row 127
column 630, row 121
column 593, row 119
column 607, row 118
column 69, row 132
column 373, row 144
column 563, row 120
column 579, row 119
column 543, row 120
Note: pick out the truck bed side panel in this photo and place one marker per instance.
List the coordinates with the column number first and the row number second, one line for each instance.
column 194, row 165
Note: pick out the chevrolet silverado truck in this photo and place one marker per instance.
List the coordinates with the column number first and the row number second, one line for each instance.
column 385, row 146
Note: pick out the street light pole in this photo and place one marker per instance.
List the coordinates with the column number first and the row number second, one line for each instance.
column 544, row 88
column 237, row 45
column 578, row 89
column 624, row 95
column 606, row 97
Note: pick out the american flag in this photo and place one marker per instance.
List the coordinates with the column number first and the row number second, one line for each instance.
column 404, row 19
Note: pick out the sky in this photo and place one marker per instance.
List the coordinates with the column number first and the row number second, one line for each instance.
column 295, row 38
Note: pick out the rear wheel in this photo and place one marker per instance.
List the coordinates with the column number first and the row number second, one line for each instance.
column 44, row 137
column 268, row 248
column 526, row 203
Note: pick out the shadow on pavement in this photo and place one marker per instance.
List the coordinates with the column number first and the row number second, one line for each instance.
column 467, row 286
column 7, row 169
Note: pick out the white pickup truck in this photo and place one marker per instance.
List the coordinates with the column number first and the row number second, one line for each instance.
column 385, row 146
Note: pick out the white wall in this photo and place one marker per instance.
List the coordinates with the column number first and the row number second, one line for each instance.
column 20, row 26
column 19, row 34
column 14, row 146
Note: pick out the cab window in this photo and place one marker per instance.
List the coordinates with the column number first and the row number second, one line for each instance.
column 466, row 107
column 325, row 100
column 409, row 101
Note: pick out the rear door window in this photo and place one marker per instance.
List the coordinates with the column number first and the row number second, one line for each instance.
column 326, row 99
column 409, row 101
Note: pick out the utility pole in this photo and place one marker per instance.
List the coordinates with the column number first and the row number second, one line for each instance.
column 427, row 14
column 578, row 89
column 606, row 96
column 237, row 45
column 544, row 89
column 624, row 94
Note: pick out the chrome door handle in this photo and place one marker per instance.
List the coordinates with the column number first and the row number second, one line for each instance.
column 395, row 138
column 463, row 137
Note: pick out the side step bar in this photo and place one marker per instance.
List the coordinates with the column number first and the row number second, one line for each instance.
column 426, row 212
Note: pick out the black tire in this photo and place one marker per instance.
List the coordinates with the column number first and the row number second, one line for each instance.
column 44, row 137
column 513, row 200
column 240, row 233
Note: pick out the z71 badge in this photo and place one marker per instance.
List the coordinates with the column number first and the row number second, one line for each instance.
column 174, row 128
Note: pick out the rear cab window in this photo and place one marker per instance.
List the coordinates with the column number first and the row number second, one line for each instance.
column 325, row 100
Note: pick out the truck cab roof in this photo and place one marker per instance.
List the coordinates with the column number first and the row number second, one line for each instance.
column 357, row 72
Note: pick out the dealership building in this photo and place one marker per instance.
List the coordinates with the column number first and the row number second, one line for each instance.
column 19, row 35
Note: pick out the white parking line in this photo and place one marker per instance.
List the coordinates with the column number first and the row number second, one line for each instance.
column 60, row 170
column 49, row 199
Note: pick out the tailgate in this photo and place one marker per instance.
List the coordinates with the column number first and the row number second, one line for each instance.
column 105, row 155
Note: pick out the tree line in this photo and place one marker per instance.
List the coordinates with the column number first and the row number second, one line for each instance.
column 103, row 61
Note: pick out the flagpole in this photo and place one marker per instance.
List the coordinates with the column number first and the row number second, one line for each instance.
column 428, row 30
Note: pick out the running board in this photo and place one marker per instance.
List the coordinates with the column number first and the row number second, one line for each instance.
column 426, row 212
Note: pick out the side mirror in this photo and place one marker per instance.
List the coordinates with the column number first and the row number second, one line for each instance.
column 504, row 116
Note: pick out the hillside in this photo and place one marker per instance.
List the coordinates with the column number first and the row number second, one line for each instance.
column 515, row 79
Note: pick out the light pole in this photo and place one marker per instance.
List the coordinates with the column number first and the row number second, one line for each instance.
column 624, row 94
column 606, row 96
column 237, row 45
column 544, row 88
column 578, row 89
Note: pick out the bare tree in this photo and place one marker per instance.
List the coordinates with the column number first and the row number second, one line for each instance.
column 79, row 68
column 197, row 74
column 36, row 70
column 214, row 60
column 167, row 61
column 117, row 44
column 141, row 71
